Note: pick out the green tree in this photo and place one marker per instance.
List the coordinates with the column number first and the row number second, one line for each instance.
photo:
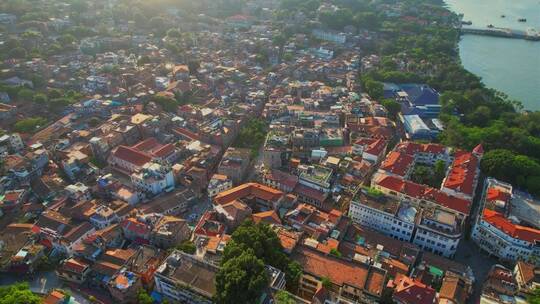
column 94, row 122
column 261, row 239
column 292, row 275
column 241, row 279
column 18, row 53
column 283, row 297
column 25, row 95
column 18, row 294
column 534, row 298
column 422, row 175
column 375, row 89
column 187, row 247
column 54, row 93
column 335, row 252
column 439, row 170
column 326, row 282
column 30, row 124
column 393, row 107
column 167, row 103
column 174, row 33
column 251, row 136
column 143, row 297
column 66, row 39
column 40, row 99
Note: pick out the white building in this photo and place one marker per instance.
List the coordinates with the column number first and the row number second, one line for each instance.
column 186, row 279
column 103, row 217
column 433, row 229
column 154, row 178
column 438, row 231
column 508, row 224
column 218, row 183
column 385, row 215
column 78, row 192
column 332, row 36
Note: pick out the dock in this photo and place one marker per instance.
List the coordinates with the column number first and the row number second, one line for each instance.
column 530, row 34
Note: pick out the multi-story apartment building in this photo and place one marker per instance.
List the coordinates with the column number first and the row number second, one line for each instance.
column 507, row 224
column 186, row 279
column 234, row 164
column 276, row 149
column 384, row 214
column 438, row 231
column 154, row 178
column 432, row 228
column 218, row 183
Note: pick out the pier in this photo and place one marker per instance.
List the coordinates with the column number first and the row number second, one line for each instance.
column 530, row 34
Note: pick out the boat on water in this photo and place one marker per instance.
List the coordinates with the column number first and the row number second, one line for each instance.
column 490, row 26
column 522, row 20
column 466, row 22
column 503, row 16
column 532, row 34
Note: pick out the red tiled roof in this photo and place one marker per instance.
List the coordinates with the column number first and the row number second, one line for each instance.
column 409, row 291
column 186, row 133
column 462, row 173
column 338, row 271
column 260, row 191
column 269, row 217
column 478, row 149
column 208, row 225
column 516, row 231
column 373, row 146
column 494, row 194
column 134, row 226
column 55, row 297
column 182, row 68
column 310, row 192
column 147, row 145
column 12, row 196
column 397, row 163
column 412, row 148
column 131, row 155
column 286, row 179
column 164, row 151
column 422, row 192
column 377, row 147
column 74, row 265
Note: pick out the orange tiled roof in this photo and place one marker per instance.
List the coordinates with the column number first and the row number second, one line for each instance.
column 338, row 271
column 131, row 155
column 397, row 163
column 420, row 191
column 254, row 189
column 494, row 194
column 516, row 231
column 269, row 217
column 410, row 291
column 462, row 173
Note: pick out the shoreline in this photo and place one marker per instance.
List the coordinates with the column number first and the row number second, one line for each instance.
column 487, row 62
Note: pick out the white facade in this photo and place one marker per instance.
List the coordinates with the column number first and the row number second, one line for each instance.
column 216, row 186
column 16, row 142
column 381, row 221
column 502, row 245
column 103, row 217
column 172, row 288
column 79, row 192
column 506, row 245
column 430, row 235
column 331, row 36
column 154, row 178
column 436, row 241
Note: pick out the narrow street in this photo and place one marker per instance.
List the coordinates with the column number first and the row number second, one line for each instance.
column 469, row 254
